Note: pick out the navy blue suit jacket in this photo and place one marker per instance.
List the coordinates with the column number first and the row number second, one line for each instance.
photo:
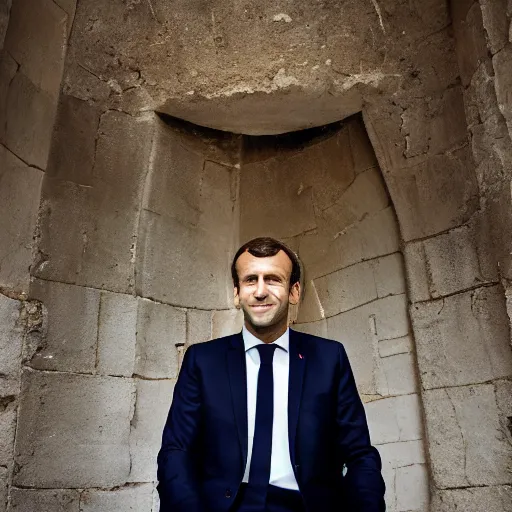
column 204, row 449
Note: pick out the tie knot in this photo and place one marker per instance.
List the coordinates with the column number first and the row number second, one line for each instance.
column 266, row 351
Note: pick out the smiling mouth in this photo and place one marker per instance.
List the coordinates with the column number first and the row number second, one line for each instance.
column 262, row 307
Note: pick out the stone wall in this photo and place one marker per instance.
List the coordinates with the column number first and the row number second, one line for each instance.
column 33, row 36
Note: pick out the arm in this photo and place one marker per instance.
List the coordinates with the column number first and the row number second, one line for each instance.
column 363, row 486
column 178, row 485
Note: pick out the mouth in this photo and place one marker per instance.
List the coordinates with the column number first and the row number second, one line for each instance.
column 261, row 307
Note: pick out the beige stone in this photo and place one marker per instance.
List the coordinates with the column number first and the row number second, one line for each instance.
column 80, row 435
column 495, row 23
column 69, row 344
column 227, row 322
column 395, row 346
column 199, row 326
column 458, row 422
column 397, row 375
column 124, row 499
column 8, row 69
column 462, row 339
column 310, row 308
column 402, row 454
column 4, row 21
column 412, row 485
column 19, row 201
column 38, row 500
column 394, row 419
column 418, row 285
column 160, row 329
column 74, row 141
column 315, row 328
column 84, row 219
column 476, row 499
column 117, row 328
column 36, row 39
column 389, row 275
column 8, row 415
column 29, row 118
column 4, row 483
column 11, row 338
column 151, row 409
column 502, row 62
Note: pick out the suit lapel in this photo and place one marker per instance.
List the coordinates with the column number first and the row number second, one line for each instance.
column 238, row 383
column 297, row 367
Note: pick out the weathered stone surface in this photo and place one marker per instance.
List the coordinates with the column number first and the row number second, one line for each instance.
column 401, row 454
column 445, row 184
column 70, row 341
column 315, row 328
column 502, row 63
column 117, row 328
column 495, row 23
column 394, row 419
column 7, row 430
column 11, row 338
column 462, row 339
column 412, row 488
column 3, row 489
column 159, row 329
column 29, row 118
column 36, row 39
column 132, row 498
column 492, row 499
column 310, row 309
column 226, row 322
column 79, row 437
column 8, row 69
column 84, row 219
column 42, row 500
column 4, row 20
column 470, row 40
column 466, row 444
column 151, row 409
column 199, row 326
column 19, row 201
column 450, row 262
column 74, row 141
column 395, row 346
column 397, row 375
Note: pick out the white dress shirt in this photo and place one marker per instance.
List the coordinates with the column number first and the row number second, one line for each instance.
column 281, row 472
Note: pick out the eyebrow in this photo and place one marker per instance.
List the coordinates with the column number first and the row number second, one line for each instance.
column 266, row 276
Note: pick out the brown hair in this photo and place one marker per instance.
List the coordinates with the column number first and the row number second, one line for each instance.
column 265, row 247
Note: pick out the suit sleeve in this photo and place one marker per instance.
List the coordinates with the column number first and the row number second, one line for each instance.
column 363, row 485
column 177, row 472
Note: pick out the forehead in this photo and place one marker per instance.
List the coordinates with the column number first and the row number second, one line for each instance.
column 277, row 264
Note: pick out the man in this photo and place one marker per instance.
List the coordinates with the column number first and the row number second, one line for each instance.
column 269, row 419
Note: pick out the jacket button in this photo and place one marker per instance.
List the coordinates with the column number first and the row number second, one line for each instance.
column 228, row 493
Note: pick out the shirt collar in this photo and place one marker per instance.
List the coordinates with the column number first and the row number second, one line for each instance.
column 251, row 341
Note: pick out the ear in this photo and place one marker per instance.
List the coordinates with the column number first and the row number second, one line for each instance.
column 294, row 296
column 236, row 298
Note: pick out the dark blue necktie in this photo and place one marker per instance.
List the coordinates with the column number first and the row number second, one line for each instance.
column 259, row 473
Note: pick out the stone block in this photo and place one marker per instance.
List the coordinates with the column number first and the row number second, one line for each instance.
column 117, row 328
column 389, row 275
column 170, row 250
column 391, row 317
column 495, row 23
column 502, row 63
column 470, row 42
column 412, row 488
column 159, row 329
column 466, row 444
column 418, row 285
column 310, row 309
column 132, row 498
column 395, row 346
column 346, row 289
column 43, row 500
column 226, row 322
column 363, row 154
column 36, row 39
column 151, row 409
column 4, row 21
column 11, row 338
column 70, row 341
column 397, row 375
column 74, row 141
column 402, row 454
column 462, row 339
column 19, row 200
column 199, row 326
column 8, row 70
column 395, row 419
column 4, row 488
column 315, row 328
column 8, row 411
column 491, row 499
column 88, row 233
column 435, row 195
column 29, row 117
column 79, row 437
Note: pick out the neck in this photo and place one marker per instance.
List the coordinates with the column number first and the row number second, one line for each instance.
column 267, row 334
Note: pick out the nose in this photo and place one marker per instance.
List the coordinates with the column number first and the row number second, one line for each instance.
column 261, row 289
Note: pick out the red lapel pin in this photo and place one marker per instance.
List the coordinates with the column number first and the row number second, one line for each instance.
column 300, row 355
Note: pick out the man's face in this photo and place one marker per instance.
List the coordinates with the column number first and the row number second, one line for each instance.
column 265, row 292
